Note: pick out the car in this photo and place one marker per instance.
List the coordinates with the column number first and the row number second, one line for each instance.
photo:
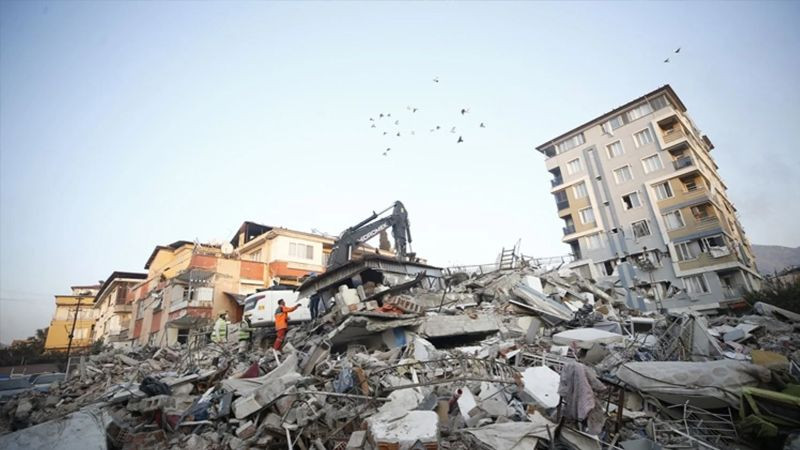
column 13, row 386
column 260, row 307
column 46, row 379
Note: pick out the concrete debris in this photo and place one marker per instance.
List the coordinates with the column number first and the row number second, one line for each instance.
column 529, row 357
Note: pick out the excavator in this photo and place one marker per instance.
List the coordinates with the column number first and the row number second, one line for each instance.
column 370, row 227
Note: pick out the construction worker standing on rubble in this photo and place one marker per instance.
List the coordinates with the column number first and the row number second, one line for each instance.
column 282, row 322
column 245, row 335
column 220, row 332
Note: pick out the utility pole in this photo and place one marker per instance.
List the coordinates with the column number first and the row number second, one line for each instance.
column 72, row 331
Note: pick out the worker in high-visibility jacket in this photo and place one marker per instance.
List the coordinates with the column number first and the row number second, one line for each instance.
column 282, row 322
column 245, row 335
column 220, row 332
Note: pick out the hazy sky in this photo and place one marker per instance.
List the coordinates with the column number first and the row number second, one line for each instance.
column 127, row 125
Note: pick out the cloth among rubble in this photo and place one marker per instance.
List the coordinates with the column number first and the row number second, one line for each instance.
column 152, row 387
column 576, row 388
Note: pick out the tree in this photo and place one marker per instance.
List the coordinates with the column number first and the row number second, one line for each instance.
column 778, row 293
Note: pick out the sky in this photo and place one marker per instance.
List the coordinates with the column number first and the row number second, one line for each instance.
column 125, row 125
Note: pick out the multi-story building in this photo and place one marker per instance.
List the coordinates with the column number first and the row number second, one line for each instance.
column 72, row 311
column 113, row 308
column 641, row 201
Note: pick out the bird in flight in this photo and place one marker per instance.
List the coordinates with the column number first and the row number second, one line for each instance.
column 460, row 140
column 678, row 50
column 387, row 151
column 464, row 111
column 436, row 79
column 384, row 133
column 389, row 115
column 453, row 130
column 398, row 134
column 380, row 116
column 397, row 122
column 666, row 60
column 373, row 126
column 371, row 119
column 438, row 127
column 482, row 125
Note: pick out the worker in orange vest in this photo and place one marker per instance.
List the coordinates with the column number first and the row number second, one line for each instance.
column 282, row 322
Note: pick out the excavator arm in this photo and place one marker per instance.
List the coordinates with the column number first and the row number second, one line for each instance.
column 369, row 228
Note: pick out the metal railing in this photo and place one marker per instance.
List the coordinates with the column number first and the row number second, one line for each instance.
column 673, row 135
column 569, row 229
column 556, row 181
column 562, row 204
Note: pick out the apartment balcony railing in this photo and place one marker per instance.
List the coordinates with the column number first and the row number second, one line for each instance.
column 557, row 181
column 673, row 135
column 684, row 161
column 562, row 204
column 569, row 229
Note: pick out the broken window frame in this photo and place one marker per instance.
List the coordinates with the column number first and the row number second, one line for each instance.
column 642, row 225
column 630, row 196
column 684, row 252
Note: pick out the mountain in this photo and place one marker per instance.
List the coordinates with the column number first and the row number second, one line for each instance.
column 772, row 258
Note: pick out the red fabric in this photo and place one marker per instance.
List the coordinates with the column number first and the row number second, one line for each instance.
column 279, row 339
column 251, row 372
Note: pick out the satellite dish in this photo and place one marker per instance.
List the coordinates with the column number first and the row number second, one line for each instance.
column 227, row 248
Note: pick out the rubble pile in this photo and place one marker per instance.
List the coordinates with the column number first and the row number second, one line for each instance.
column 511, row 359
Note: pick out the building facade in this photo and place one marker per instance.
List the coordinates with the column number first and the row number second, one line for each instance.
column 642, row 202
column 113, row 308
column 72, row 310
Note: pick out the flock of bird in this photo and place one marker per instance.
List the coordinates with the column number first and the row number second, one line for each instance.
column 386, row 118
column 677, row 50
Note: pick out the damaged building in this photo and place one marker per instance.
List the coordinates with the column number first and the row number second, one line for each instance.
column 643, row 204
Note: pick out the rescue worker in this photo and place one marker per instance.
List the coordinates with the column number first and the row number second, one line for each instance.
column 282, row 322
column 313, row 305
column 245, row 336
column 220, row 332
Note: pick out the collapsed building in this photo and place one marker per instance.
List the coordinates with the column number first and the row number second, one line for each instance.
column 412, row 356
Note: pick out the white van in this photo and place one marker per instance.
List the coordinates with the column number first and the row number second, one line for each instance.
column 260, row 307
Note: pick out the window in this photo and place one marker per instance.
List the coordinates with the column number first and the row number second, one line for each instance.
column 674, row 220
column 640, row 228
column 696, row 284
column 652, row 163
column 570, row 143
column 701, row 212
column 643, row 137
column 631, row 201
column 616, row 122
column 587, row 215
column 658, row 103
column 614, row 149
column 663, row 191
column 623, row 174
column 256, row 256
column 640, row 111
column 579, row 190
column 685, row 251
column 593, row 241
column 301, row 250
column 690, row 184
column 574, row 166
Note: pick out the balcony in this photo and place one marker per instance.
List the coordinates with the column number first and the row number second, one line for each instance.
column 682, row 162
column 569, row 229
column 673, row 134
column 732, row 292
column 557, row 181
column 562, row 204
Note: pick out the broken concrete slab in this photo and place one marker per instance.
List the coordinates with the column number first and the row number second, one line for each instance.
column 83, row 430
column 461, row 325
column 541, row 385
column 586, row 337
column 263, row 396
column 406, row 430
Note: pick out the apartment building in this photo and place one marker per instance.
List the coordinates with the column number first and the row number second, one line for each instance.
column 642, row 203
column 74, row 314
column 113, row 308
